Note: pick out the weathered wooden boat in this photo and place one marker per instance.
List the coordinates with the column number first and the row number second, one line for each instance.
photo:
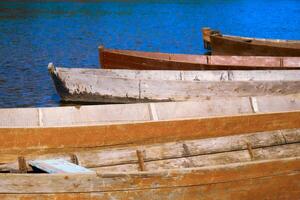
column 126, row 59
column 227, row 157
column 54, row 138
column 125, row 86
column 220, row 44
column 264, row 165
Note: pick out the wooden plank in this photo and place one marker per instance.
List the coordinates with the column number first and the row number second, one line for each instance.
column 266, row 153
column 278, row 103
column 117, row 113
column 127, row 155
column 146, row 132
column 127, row 59
column 141, row 181
column 247, row 61
column 25, row 117
column 291, row 136
column 177, row 91
column 290, row 62
column 284, row 187
column 169, row 75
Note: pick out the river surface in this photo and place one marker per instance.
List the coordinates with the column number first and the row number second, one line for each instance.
column 68, row 33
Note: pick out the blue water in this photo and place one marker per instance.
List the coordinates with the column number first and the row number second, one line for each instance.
column 32, row 34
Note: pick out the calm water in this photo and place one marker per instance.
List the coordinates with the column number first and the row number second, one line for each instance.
column 68, row 34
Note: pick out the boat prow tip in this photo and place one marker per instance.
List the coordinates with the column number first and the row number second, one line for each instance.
column 101, row 47
column 51, row 67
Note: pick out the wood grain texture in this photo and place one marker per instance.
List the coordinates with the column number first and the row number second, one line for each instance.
column 187, row 153
column 118, row 113
column 126, row 59
column 87, row 86
column 145, row 132
column 245, row 46
column 262, row 179
column 240, row 156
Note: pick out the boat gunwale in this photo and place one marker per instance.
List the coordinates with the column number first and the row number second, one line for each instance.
column 158, row 121
column 260, row 42
column 89, row 72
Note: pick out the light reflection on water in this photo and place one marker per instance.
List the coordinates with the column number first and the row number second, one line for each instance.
column 68, row 34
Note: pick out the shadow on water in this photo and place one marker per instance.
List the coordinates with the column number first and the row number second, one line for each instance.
column 34, row 33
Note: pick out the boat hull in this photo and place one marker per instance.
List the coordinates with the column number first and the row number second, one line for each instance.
column 220, row 44
column 228, row 46
column 92, row 85
column 125, row 59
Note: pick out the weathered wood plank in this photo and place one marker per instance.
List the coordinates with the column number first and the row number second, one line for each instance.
column 101, row 114
column 283, row 187
column 254, row 171
column 179, row 91
column 202, row 149
column 146, row 132
column 178, row 149
column 291, row 136
column 267, row 153
column 169, row 75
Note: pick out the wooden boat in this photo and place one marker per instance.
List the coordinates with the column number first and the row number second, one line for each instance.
column 244, row 46
column 78, row 137
column 125, row 86
column 227, row 157
column 126, row 59
column 228, row 167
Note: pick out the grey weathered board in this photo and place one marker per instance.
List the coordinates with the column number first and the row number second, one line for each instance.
column 116, row 113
